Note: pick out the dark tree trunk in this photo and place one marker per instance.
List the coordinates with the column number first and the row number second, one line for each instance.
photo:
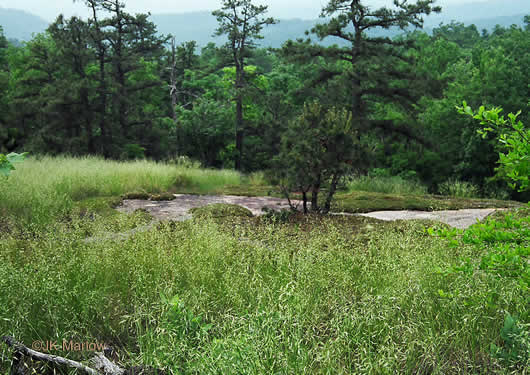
column 105, row 137
column 239, row 132
column 239, row 116
column 357, row 107
column 304, row 197
column 315, row 189
column 332, row 189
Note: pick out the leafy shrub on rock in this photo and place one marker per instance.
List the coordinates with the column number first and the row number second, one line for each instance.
column 318, row 149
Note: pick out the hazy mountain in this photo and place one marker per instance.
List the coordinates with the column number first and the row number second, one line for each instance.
column 200, row 26
column 18, row 24
column 481, row 10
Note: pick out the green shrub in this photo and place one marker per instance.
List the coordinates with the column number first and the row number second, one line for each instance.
column 513, row 136
column 274, row 216
column 515, row 348
column 501, row 250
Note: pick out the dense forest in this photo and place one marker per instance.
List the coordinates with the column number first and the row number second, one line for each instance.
column 110, row 85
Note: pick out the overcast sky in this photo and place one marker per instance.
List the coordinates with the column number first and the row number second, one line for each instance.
column 49, row 9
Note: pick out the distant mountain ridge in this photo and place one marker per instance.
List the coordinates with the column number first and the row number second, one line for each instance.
column 18, row 24
column 200, row 26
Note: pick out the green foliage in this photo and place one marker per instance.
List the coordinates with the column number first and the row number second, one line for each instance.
column 501, row 249
column 515, row 138
column 318, row 148
column 253, row 297
column 221, row 210
column 133, row 151
column 460, row 189
column 386, row 184
column 516, row 343
column 277, row 217
column 458, row 33
column 182, row 322
column 241, row 21
column 7, row 162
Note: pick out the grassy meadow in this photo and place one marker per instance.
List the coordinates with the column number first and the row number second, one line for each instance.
column 246, row 295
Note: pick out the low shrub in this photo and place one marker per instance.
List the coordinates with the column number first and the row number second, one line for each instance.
column 500, row 249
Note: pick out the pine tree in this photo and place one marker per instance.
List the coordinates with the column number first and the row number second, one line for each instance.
column 376, row 66
column 242, row 22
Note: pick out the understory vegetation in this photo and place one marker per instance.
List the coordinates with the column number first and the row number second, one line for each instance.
column 240, row 294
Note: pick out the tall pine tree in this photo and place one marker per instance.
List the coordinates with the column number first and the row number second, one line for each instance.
column 242, row 22
column 376, row 67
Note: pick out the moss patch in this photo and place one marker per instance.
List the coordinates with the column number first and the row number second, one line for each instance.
column 136, row 195
column 147, row 196
column 362, row 202
column 221, row 210
column 162, row 197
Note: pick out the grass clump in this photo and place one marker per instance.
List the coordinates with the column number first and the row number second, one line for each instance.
column 204, row 181
column 459, row 189
column 386, row 184
column 218, row 210
column 501, row 249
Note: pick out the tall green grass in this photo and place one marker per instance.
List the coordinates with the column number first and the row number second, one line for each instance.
column 315, row 295
column 387, row 185
column 307, row 297
column 45, row 188
column 459, row 189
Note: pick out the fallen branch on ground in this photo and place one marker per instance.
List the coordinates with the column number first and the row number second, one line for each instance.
column 100, row 363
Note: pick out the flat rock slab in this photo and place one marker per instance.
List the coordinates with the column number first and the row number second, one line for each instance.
column 179, row 208
column 461, row 219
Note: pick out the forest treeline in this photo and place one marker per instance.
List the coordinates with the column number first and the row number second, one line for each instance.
column 111, row 86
